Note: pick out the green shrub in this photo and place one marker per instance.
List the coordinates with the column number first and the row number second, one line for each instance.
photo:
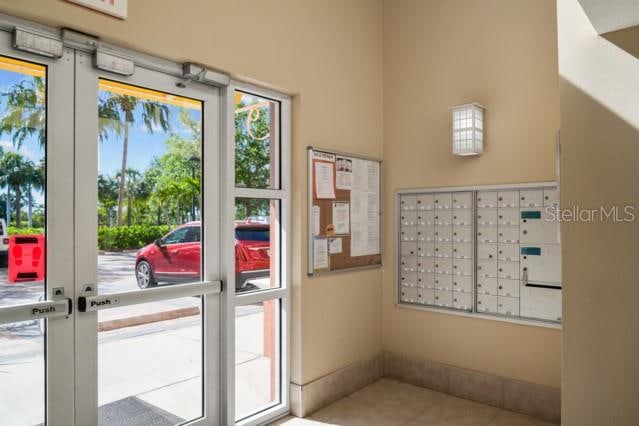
column 24, row 231
column 129, row 237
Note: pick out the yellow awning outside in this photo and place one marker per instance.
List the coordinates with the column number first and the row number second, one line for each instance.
column 148, row 94
column 22, row 67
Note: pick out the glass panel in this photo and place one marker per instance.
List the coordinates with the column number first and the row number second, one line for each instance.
column 149, row 188
column 257, row 142
column 257, row 244
column 22, row 243
column 150, row 363
column 257, row 357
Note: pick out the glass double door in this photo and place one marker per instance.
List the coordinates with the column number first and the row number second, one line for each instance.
column 109, row 244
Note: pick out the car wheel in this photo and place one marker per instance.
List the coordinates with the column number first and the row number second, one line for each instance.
column 144, row 275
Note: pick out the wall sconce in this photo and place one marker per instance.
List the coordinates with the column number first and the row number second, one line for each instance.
column 468, row 129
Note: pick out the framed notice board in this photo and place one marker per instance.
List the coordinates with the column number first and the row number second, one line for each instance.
column 344, row 211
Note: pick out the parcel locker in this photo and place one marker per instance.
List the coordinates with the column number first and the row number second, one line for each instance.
column 408, row 294
column 443, row 298
column 487, row 303
column 508, row 306
column 550, row 197
column 462, row 301
column 443, row 266
column 426, row 296
column 541, row 263
column 408, row 279
column 462, row 250
column 462, row 267
column 509, row 252
column 443, row 200
column 508, row 199
column 509, row 288
column 408, row 264
column 408, row 202
column 462, row 234
column 487, row 234
column 487, row 251
column 426, row 264
column 531, row 198
column 426, row 234
column 462, row 200
column 444, row 233
column 444, row 250
column 541, row 303
column 408, row 218
column 408, row 234
column 425, row 249
column 487, row 285
column 538, row 227
column 443, row 218
column 487, row 199
column 463, row 283
column 426, row 280
column 487, row 268
column 508, row 217
column 409, row 249
column 425, row 202
column 508, row 270
column 487, row 217
column 426, row 218
column 508, row 234
column 443, row 282
column 463, row 218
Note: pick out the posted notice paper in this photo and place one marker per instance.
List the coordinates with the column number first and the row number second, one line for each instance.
column 335, row 245
column 324, row 180
column 365, row 208
column 341, row 218
column 320, row 253
column 316, row 220
column 344, row 179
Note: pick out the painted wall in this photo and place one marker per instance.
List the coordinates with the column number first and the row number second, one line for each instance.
column 600, row 167
column 328, row 54
column 502, row 54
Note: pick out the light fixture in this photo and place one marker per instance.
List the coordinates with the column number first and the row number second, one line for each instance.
column 468, row 129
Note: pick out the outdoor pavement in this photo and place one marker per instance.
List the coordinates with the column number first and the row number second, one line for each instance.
column 158, row 363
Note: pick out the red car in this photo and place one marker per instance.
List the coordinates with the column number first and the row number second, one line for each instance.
column 176, row 257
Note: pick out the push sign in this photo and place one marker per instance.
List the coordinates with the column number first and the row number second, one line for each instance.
column 89, row 304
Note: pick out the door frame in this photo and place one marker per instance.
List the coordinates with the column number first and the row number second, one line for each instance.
column 59, row 337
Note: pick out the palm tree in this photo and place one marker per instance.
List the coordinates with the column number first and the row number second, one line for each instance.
column 15, row 171
column 35, row 179
column 117, row 114
column 25, row 111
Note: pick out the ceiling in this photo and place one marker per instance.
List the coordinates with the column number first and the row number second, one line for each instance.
column 611, row 15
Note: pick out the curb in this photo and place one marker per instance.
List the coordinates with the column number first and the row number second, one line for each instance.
column 147, row 319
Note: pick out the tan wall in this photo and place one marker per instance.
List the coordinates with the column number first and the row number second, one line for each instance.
column 502, row 54
column 328, row 54
column 600, row 166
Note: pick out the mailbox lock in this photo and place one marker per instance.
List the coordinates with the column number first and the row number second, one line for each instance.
column 501, row 198
column 524, row 231
column 525, row 268
column 501, row 288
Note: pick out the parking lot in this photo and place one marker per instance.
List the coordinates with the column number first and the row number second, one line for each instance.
column 169, row 366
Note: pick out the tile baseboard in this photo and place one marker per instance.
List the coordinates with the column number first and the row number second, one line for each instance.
column 308, row 398
column 526, row 398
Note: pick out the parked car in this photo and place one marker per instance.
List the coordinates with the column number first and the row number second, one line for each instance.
column 175, row 258
column 4, row 244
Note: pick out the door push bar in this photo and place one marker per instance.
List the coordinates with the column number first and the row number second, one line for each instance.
column 34, row 311
column 526, row 283
column 136, row 297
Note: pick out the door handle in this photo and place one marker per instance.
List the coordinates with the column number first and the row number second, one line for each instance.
column 175, row 251
column 34, row 311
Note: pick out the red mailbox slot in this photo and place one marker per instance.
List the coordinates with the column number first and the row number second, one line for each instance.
column 26, row 258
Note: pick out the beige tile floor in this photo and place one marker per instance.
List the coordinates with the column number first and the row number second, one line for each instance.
column 390, row 403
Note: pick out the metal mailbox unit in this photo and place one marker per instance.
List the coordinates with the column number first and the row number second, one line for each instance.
column 490, row 251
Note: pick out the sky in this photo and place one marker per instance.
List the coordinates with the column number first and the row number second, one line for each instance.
column 143, row 146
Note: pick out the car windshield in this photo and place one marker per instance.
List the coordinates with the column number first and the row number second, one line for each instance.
column 252, row 234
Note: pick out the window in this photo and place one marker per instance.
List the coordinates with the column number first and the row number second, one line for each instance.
column 260, row 217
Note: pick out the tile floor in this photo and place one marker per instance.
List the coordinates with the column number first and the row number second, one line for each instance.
column 390, row 403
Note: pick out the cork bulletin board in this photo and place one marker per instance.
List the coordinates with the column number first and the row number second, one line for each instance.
column 344, row 211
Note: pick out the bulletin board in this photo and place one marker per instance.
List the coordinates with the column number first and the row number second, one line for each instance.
column 344, row 211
